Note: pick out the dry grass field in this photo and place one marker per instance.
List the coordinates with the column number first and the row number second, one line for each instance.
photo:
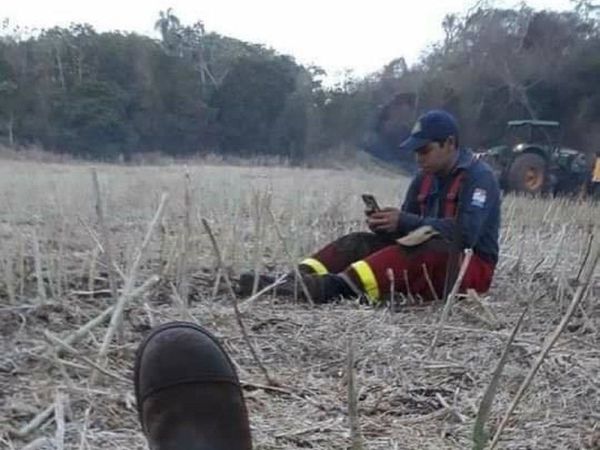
column 55, row 257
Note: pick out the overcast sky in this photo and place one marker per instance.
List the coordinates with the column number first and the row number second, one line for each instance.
column 361, row 35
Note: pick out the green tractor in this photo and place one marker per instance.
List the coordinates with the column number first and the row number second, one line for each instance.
column 532, row 160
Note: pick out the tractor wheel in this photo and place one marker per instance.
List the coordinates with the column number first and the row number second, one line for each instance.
column 528, row 173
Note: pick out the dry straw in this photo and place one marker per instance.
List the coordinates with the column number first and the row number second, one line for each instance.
column 404, row 397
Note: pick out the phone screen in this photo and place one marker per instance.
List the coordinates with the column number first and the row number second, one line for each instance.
column 370, row 202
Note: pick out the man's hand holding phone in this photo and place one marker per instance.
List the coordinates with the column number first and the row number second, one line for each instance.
column 386, row 220
column 380, row 219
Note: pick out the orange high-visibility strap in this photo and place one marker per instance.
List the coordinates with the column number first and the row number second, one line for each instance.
column 596, row 173
column 451, row 204
column 451, row 200
column 424, row 190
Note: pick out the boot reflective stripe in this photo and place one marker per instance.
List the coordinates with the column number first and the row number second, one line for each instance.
column 315, row 265
column 368, row 280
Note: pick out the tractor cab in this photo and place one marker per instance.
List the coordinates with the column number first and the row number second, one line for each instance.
column 522, row 133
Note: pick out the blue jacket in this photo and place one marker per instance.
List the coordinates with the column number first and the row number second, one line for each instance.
column 478, row 217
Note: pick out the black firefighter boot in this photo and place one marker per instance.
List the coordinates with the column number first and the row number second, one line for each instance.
column 320, row 288
column 188, row 393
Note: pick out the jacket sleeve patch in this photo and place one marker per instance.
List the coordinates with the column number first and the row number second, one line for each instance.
column 479, row 197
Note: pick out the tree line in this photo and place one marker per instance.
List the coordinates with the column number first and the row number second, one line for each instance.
column 114, row 94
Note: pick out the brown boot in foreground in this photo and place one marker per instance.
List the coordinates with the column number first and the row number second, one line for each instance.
column 188, row 393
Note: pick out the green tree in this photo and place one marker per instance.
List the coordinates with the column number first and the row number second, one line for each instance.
column 249, row 102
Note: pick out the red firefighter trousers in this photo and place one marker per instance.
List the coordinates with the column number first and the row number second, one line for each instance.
column 372, row 263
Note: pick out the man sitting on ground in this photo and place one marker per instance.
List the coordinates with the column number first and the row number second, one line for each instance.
column 452, row 204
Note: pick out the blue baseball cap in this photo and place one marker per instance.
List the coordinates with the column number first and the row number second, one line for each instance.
column 434, row 125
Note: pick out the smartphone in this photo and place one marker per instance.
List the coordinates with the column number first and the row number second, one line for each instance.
column 370, row 203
